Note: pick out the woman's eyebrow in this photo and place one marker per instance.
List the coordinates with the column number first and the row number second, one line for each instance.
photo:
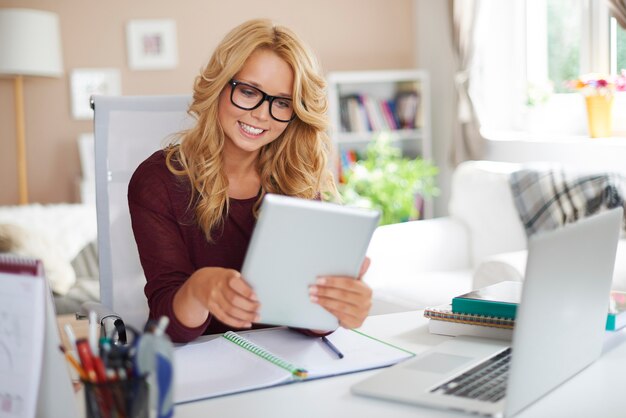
column 258, row 86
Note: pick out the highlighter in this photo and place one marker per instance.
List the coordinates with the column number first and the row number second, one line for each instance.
column 164, row 372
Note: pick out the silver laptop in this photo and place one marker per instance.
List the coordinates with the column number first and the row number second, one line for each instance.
column 559, row 331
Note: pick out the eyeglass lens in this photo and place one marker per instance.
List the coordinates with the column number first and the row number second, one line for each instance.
column 249, row 97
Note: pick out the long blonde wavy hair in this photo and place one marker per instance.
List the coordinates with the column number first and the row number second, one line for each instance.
column 295, row 164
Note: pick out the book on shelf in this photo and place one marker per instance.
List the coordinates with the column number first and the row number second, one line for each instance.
column 248, row 360
column 364, row 113
column 407, row 107
column 501, row 299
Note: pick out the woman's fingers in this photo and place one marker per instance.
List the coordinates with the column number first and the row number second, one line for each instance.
column 347, row 299
column 233, row 301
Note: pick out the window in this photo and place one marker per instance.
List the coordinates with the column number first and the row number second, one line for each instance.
column 548, row 42
column 565, row 39
column 564, row 20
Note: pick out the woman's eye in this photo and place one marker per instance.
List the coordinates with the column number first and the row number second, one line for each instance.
column 283, row 103
column 249, row 92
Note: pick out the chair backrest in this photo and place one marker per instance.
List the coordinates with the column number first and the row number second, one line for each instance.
column 127, row 130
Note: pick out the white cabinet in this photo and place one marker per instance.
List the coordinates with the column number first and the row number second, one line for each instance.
column 362, row 104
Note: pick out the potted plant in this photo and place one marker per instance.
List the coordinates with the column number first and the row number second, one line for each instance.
column 387, row 181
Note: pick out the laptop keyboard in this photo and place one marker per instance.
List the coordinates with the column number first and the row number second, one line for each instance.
column 486, row 382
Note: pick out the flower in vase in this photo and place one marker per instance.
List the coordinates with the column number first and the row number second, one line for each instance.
column 599, row 84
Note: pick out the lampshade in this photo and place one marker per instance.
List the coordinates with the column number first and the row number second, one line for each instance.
column 30, row 43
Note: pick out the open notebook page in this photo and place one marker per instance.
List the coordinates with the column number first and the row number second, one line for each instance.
column 360, row 351
column 218, row 366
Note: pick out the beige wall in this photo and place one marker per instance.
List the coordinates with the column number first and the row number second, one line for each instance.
column 346, row 34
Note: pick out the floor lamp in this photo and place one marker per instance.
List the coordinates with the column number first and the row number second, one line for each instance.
column 30, row 45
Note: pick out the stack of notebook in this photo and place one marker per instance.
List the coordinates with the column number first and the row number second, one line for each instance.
column 490, row 312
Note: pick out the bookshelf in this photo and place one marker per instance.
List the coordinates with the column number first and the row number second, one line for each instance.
column 362, row 104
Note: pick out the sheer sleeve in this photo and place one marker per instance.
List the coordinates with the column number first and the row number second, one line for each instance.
column 163, row 252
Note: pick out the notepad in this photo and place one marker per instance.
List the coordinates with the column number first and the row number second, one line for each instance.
column 239, row 362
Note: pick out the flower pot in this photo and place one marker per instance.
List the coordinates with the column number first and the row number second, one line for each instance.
column 599, row 113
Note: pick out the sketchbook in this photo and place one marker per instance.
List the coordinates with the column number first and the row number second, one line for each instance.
column 239, row 362
column 34, row 379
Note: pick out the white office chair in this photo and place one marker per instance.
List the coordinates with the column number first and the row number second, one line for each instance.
column 127, row 131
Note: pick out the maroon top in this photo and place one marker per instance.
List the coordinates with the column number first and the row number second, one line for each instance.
column 172, row 246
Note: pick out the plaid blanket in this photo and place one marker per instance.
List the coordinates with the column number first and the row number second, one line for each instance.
column 549, row 198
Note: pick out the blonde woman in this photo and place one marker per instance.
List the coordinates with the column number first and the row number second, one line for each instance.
column 260, row 107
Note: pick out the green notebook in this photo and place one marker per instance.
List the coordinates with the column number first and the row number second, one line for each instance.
column 499, row 300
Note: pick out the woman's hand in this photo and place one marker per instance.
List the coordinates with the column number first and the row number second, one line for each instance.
column 348, row 299
column 219, row 291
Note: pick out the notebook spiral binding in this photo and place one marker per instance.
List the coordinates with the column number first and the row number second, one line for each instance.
column 263, row 353
column 444, row 313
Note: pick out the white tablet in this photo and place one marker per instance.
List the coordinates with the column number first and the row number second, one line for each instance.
column 294, row 242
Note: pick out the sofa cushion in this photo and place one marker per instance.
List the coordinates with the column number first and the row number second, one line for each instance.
column 427, row 289
column 482, row 199
column 500, row 267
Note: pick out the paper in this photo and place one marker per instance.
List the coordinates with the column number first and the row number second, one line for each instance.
column 21, row 343
column 219, row 367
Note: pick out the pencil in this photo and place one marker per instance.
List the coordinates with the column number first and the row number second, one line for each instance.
column 332, row 347
column 72, row 360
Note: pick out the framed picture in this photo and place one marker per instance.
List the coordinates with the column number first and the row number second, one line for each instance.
column 151, row 44
column 85, row 82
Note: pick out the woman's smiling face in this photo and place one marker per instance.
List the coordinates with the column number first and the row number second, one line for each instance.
column 249, row 130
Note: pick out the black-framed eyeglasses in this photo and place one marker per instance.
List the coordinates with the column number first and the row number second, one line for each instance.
column 248, row 97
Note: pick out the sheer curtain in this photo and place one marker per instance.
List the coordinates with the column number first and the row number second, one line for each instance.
column 618, row 9
column 467, row 142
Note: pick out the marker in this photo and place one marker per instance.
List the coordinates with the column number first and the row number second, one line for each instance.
column 332, row 347
column 86, row 359
column 164, row 373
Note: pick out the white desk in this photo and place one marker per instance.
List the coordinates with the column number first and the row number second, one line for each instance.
column 596, row 392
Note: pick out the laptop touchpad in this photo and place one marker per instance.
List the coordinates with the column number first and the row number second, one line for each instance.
column 438, row 362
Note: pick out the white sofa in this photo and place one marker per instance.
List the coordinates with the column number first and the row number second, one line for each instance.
column 482, row 241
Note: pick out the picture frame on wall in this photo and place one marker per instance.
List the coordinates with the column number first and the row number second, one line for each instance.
column 152, row 44
column 85, row 82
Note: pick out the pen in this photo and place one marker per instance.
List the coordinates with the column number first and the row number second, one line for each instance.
column 332, row 347
column 71, row 337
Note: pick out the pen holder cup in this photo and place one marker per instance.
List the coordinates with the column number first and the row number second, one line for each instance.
column 117, row 399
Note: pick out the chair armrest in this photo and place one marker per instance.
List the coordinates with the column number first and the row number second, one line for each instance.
column 410, row 248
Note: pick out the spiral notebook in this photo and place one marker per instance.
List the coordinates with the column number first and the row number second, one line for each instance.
column 239, row 362
column 445, row 313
